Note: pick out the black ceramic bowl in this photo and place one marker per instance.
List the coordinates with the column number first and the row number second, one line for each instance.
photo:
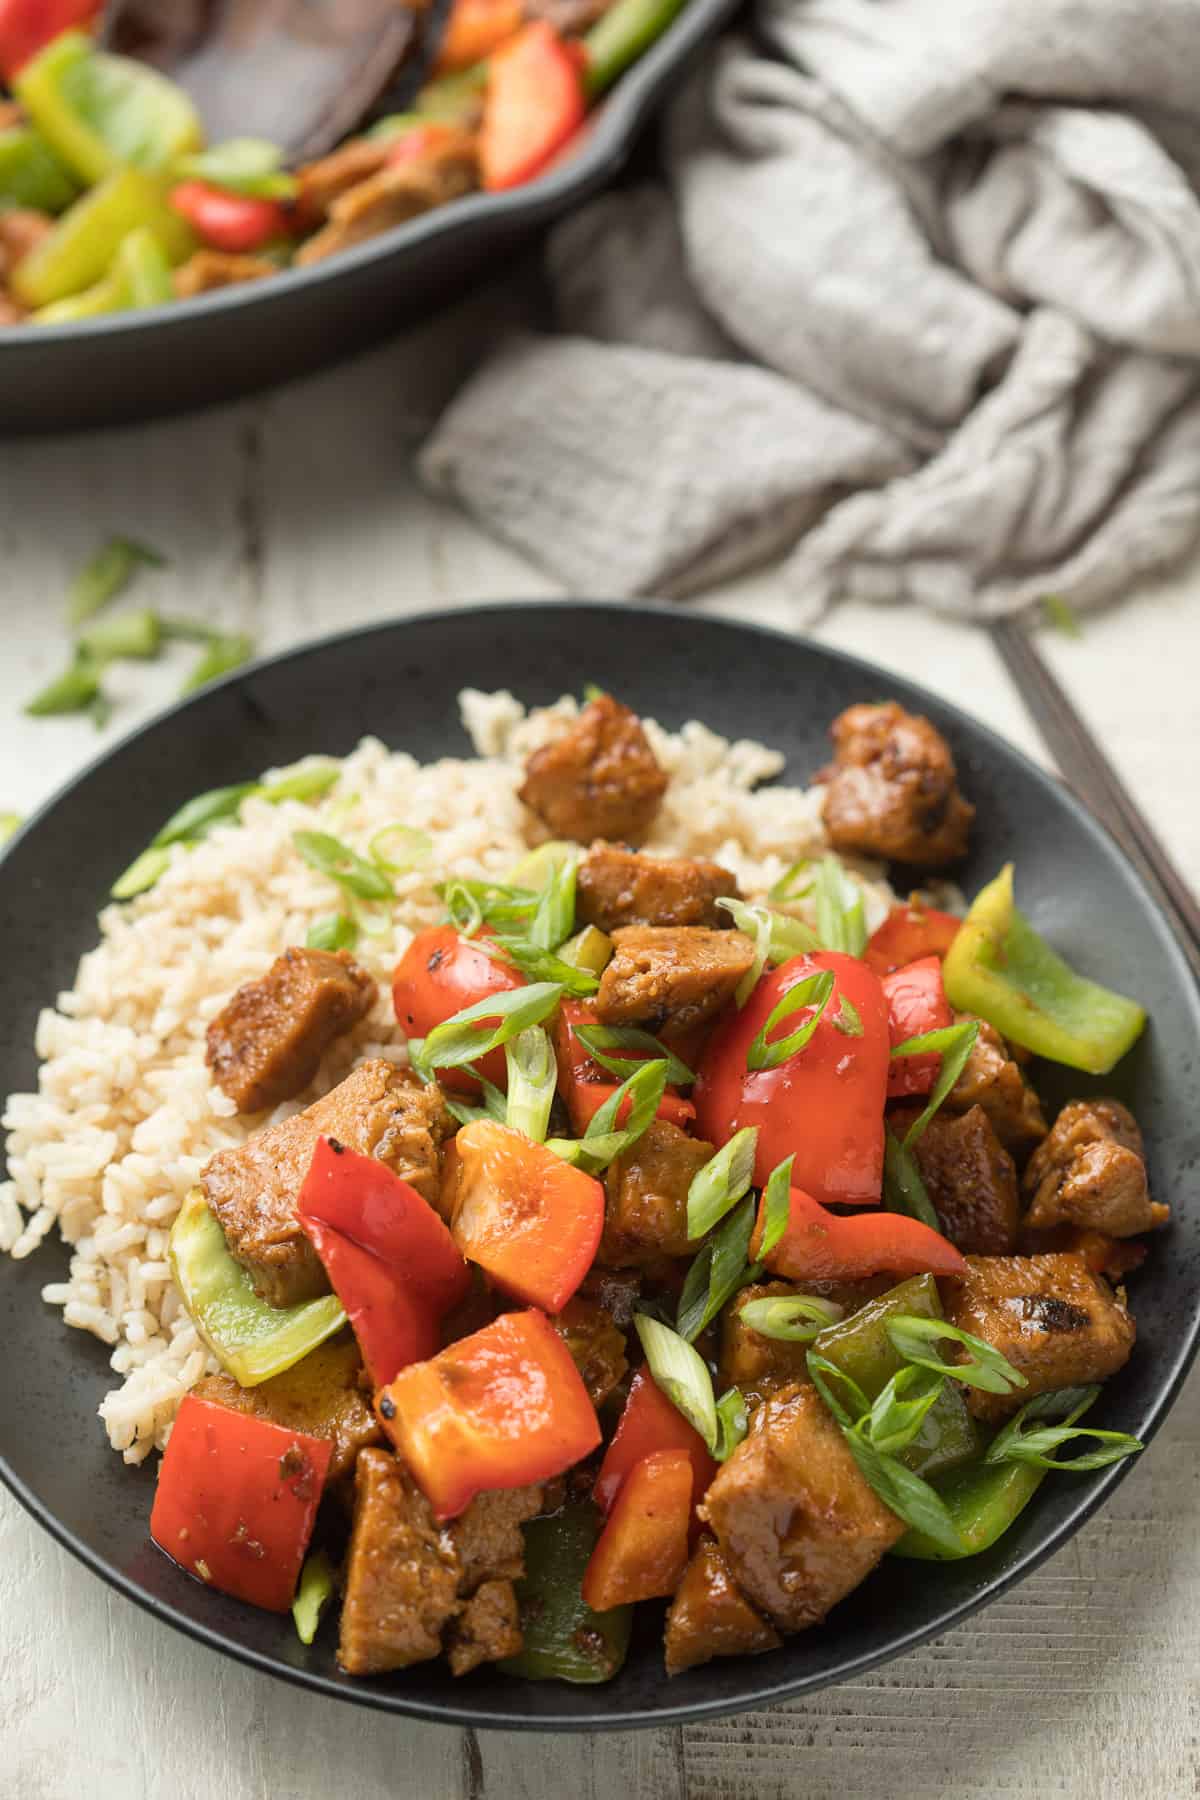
column 196, row 352
column 399, row 681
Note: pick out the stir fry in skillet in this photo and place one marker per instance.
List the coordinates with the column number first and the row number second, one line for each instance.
column 705, row 1250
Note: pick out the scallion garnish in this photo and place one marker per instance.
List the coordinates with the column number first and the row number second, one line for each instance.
column 398, row 848
column 1015, row 1443
column 733, row 1422
column 466, row 914
column 590, row 951
column 1063, row 617
column 245, row 165
column 333, row 931
column 489, row 1024
column 106, row 574
column 791, row 1321
column 795, row 883
column 329, row 856
column 954, row 1043
column 720, row 1184
column 10, row 823
column 827, row 1377
column 911, row 1337
column 841, row 915
column 197, row 817
column 909, row 1496
column 903, row 1189
column 682, row 1375
column 848, row 1019
column 313, row 1594
column 637, row 1100
column 598, row 1040
column 813, row 991
column 777, row 938
column 136, row 635
column 226, row 651
column 532, row 1074
column 142, row 873
column 777, row 1205
column 540, row 965
column 553, row 920
column 75, row 690
column 303, row 781
column 718, row 1271
column 899, row 1409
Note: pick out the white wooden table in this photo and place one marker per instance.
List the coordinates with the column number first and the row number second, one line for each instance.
column 295, row 515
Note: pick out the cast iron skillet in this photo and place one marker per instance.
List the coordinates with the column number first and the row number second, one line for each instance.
column 400, row 681
column 129, row 366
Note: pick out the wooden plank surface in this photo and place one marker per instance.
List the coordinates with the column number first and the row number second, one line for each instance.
column 295, row 515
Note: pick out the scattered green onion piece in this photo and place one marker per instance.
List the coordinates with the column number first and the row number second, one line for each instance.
column 246, row 165
column 498, row 904
column 814, row 991
column 597, row 1040
column 733, row 1422
column 717, row 1272
column 903, row 1189
column 329, row 856
column 197, row 817
column 848, row 1019
column 796, row 1321
column 620, row 35
column 681, row 1373
column 824, row 1374
column 537, row 867
column 540, row 965
column 178, row 627
column 554, row 917
column 605, row 1140
column 313, row 1594
column 955, row 1044
column 592, row 692
column 590, row 951
column 532, row 1076
column 466, row 914
column 141, row 874
column 1014, row 1443
column 333, row 931
column 777, row 1206
column 73, row 691
column 841, row 915
column 306, row 781
column 489, row 1024
column 787, row 888
column 10, row 824
column 900, row 1408
column 777, row 938
column 225, row 653
column 399, row 848
column 1061, row 616
column 101, row 710
column 106, row 574
column 911, row 1337
column 907, row 1495
column 130, row 635
column 720, row 1184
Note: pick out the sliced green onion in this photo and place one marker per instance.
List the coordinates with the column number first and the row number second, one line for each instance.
column 841, row 914
column 720, row 1184
column 795, row 883
column 777, row 938
column 245, row 165
column 796, row 1321
column 826, row 1375
column 955, row 1044
column 10, row 824
column 466, row 914
column 106, row 574
column 75, row 690
column 532, row 1075
column 1014, row 1443
column 911, row 1336
column 814, row 991
column 681, row 1373
column 329, row 856
column 733, row 1422
column 225, row 652
column 721, row 1268
column 907, row 1495
column 903, row 1189
column 848, row 1019
column 399, row 848
column 1061, row 616
column 177, row 627
column 313, row 1594
column 538, row 866
column 598, row 1039
column 306, row 781
column 605, row 1140
column 592, row 692
column 777, row 1206
column 590, row 950
column 489, row 1024
column 197, row 817
column 899, row 1409
column 141, row 874
column 497, row 903
column 540, row 965
column 333, row 931
column 136, row 635
column 554, row 917
column 495, row 1104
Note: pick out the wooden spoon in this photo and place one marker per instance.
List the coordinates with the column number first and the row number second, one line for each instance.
column 302, row 73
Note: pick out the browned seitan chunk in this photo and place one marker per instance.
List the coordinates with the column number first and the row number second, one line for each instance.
column 647, row 1193
column 206, row 271
column 992, row 1079
column 266, row 1043
column 320, row 1396
column 893, row 789
column 397, row 192
column 710, row 1616
column 625, row 887
column 683, row 974
column 596, row 1343
column 970, row 1177
column 758, row 1365
column 487, row 1537
column 1091, row 1172
column 487, row 1628
column 322, row 182
column 796, row 1522
column 1057, row 1323
column 22, row 229
column 379, row 1111
column 599, row 779
column 402, row 1575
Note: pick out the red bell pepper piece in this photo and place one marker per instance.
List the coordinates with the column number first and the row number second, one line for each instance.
column 27, row 26
column 825, row 1103
column 390, row 1260
column 533, row 102
column 530, row 1220
column 917, row 1003
column 650, row 1423
column 499, row 1409
column 643, row 1550
column 908, row 933
column 584, row 1086
column 234, row 222
column 819, row 1245
column 439, row 975
column 237, row 1499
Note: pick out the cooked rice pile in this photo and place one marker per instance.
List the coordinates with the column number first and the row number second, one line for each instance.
column 125, row 1116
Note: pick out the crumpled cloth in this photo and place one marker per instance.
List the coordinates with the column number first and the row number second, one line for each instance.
column 917, row 307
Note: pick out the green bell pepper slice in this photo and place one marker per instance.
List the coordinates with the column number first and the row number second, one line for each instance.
column 622, row 34
column 30, row 173
column 81, row 250
column 999, row 968
column 564, row 1639
column 251, row 1340
column 140, row 276
column 862, row 1349
column 101, row 112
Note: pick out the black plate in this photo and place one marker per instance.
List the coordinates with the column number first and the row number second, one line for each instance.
column 399, row 681
column 196, row 352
